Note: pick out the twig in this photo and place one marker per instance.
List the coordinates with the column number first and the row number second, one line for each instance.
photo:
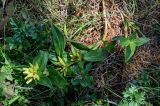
column 105, row 20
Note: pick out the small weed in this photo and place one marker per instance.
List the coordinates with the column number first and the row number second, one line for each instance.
column 133, row 97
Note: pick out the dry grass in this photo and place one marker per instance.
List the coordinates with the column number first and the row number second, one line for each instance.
column 76, row 13
column 147, row 16
column 114, row 23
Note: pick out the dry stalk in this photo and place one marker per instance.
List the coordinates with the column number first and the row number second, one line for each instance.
column 106, row 20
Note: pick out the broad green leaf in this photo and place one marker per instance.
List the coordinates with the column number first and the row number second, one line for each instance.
column 80, row 46
column 45, row 81
column 124, row 43
column 141, row 41
column 129, row 51
column 41, row 60
column 56, row 78
column 95, row 55
column 130, row 44
column 58, row 40
column 53, row 58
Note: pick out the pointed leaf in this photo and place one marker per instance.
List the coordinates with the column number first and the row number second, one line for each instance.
column 129, row 51
column 56, row 78
column 53, row 58
column 58, row 40
column 41, row 60
column 45, row 81
column 80, row 46
column 141, row 41
column 95, row 55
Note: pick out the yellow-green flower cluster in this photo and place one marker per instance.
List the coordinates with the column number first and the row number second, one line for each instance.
column 63, row 65
column 75, row 56
column 31, row 72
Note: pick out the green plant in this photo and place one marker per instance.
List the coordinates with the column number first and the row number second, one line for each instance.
column 42, row 66
column 133, row 96
column 82, row 76
column 130, row 44
column 148, row 80
column 10, row 92
column 53, row 64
